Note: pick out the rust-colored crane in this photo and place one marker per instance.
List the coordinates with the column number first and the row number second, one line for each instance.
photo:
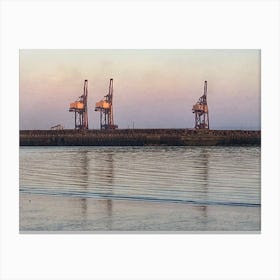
column 79, row 107
column 105, row 107
column 200, row 109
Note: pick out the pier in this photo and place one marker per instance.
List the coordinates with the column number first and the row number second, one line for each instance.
column 140, row 137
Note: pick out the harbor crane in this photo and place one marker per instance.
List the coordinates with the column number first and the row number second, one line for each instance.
column 200, row 109
column 105, row 107
column 79, row 107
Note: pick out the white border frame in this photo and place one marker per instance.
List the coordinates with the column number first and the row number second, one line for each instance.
column 156, row 24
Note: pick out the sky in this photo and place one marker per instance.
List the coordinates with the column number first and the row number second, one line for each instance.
column 152, row 88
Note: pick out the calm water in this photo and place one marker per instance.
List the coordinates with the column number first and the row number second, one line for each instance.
column 140, row 182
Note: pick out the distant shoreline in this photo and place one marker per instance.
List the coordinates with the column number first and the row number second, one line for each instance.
column 140, row 137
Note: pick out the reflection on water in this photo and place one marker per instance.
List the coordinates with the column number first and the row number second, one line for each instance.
column 204, row 175
column 84, row 174
column 99, row 187
column 197, row 175
column 109, row 160
column 108, row 177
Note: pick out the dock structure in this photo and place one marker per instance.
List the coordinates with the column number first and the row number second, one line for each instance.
column 110, row 135
column 139, row 137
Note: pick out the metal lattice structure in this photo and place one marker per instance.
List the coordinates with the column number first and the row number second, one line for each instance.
column 105, row 107
column 57, row 127
column 79, row 107
column 200, row 109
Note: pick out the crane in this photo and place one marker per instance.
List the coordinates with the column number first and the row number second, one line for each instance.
column 105, row 107
column 200, row 109
column 79, row 107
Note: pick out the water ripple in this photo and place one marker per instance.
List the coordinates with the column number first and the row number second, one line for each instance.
column 197, row 175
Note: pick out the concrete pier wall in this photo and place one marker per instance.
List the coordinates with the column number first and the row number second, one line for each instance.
column 139, row 137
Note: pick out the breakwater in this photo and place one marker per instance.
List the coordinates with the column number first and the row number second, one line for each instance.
column 139, row 137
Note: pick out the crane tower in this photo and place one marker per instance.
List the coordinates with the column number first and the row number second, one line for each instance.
column 200, row 109
column 79, row 107
column 105, row 107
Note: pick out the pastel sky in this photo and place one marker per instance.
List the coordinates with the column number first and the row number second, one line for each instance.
column 152, row 88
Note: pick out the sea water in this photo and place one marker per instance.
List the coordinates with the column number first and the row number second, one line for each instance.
column 140, row 188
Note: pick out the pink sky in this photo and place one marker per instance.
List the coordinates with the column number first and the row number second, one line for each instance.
column 152, row 88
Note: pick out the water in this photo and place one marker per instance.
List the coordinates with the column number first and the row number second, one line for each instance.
column 120, row 187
